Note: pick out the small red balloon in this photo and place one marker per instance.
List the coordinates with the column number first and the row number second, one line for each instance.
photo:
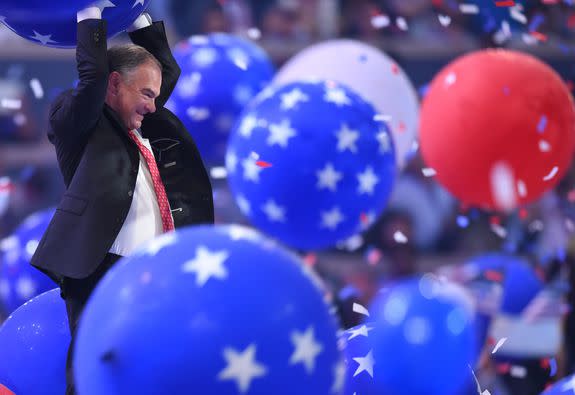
column 5, row 391
column 498, row 127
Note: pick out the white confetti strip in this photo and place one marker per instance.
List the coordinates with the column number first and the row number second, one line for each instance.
column 428, row 172
column 551, row 174
column 544, row 146
column 518, row 371
column 401, row 23
column 254, row 33
column 469, row 8
column 382, row 117
column 380, row 21
column 37, row 88
column 569, row 225
column 499, row 344
column 445, row 20
column 11, row 104
column 503, row 186
column 518, row 16
column 357, row 308
column 399, row 237
column 499, row 230
column 521, row 188
column 254, row 155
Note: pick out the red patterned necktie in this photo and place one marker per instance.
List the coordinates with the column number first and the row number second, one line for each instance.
column 167, row 220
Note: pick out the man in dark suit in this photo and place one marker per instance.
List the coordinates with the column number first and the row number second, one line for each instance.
column 131, row 169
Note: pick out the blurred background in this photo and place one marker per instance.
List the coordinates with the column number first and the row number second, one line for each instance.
column 423, row 228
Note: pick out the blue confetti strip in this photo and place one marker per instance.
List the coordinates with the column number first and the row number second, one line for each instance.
column 536, row 22
column 462, row 221
column 542, row 124
column 553, row 366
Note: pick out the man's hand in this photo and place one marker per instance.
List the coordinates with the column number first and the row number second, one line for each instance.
column 144, row 20
column 90, row 12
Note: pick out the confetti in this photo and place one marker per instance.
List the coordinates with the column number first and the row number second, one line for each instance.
column 11, row 104
column 399, row 237
column 569, row 225
column 518, row 16
column 382, row 118
column 505, row 3
column 37, row 88
column 428, row 172
column 493, row 275
column 380, row 21
column 521, row 188
column 468, row 8
column 310, row 259
column 357, row 308
column 445, row 20
column 254, row 33
column 401, row 23
column 553, row 366
column 499, row 230
column 539, row 36
column 544, row 146
column 462, row 221
column 263, row 164
column 542, row 124
column 373, row 255
column 518, row 371
column 551, row 174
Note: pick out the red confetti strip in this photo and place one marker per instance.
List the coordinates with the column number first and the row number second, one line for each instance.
column 544, row 363
column 539, row 36
column 363, row 218
column 394, row 69
column 490, row 341
column 503, row 368
column 505, row 3
column 310, row 259
column 493, row 276
column 523, row 213
column 262, row 163
column 495, row 220
column 402, row 127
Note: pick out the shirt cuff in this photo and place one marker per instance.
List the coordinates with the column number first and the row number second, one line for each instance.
column 89, row 13
column 144, row 20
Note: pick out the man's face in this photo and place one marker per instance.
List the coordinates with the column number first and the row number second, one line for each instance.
column 133, row 95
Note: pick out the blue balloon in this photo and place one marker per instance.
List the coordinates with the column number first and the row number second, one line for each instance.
column 326, row 164
column 23, row 9
column 34, row 344
column 358, row 361
column 58, row 30
column 519, row 281
column 423, row 339
column 221, row 73
column 211, row 310
column 19, row 281
column 565, row 386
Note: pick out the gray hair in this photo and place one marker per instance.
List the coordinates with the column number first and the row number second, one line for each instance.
column 127, row 58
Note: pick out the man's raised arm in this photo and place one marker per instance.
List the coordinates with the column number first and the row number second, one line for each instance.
column 152, row 36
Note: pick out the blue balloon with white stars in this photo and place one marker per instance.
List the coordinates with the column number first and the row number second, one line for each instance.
column 221, row 73
column 34, row 343
column 59, row 29
column 19, row 281
column 359, row 362
column 311, row 163
column 565, row 386
column 423, row 337
column 209, row 310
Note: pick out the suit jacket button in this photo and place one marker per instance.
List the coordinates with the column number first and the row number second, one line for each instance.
column 130, row 193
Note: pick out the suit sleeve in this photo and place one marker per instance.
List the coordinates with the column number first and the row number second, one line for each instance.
column 154, row 39
column 73, row 116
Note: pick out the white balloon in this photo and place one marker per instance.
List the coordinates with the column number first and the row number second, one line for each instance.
column 370, row 73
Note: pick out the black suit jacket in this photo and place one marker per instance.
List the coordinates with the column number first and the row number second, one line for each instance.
column 99, row 161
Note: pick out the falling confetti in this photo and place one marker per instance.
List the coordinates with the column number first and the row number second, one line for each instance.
column 468, row 8
column 505, row 3
column 551, row 174
column 462, row 221
column 498, row 345
column 517, row 371
column 11, row 104
column 399, row 237
column 428, row 172
column 357, row 308
column 263, row 164
column 37, row 88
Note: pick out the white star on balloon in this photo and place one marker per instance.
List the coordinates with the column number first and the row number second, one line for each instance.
column 346, row 139
column 243, row 94
column 160, row 242
column 239, row 58
column 26, row 288
column 231, row 161
column 280, row 134
column 384, row 144
column 238, row 232
column 367, row 181
column 338, row 377
column 104, row 4
column 242, row 367
column 292, row 98
column 361, row 331
column 306, row 349
column 274, row 212
column 251, row 170
column 43, row 39
column 141, row 2
column 204, row 57
column 336, row 96
column 189, row 85
column 365, row 364
column 243, row 204
column 206, row 265
column 328, row 178
column 247, row 126
column 331, row 219
column 569, row 385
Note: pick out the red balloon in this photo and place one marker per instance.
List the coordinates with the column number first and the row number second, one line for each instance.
column 498, row 128
column 5, row 391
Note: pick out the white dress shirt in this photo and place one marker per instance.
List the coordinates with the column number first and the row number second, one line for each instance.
column 144, row 221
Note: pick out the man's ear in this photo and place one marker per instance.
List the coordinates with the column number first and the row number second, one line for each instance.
column 114, row 81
